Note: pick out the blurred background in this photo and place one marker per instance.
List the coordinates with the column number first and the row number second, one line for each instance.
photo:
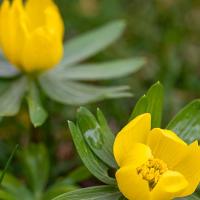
column 167, row 32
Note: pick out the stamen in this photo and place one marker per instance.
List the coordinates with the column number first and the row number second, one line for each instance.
column 151, row 171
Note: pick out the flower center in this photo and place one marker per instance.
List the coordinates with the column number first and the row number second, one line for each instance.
column 152, row 170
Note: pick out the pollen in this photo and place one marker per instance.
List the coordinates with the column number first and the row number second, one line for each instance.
column 152, row 170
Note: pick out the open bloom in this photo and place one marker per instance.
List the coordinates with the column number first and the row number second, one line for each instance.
column 31, row 34
column 155, row 164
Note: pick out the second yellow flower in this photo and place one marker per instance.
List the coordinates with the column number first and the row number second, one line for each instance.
column 31, row 34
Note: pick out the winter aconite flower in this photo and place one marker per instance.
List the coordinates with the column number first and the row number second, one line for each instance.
column 31, row 34
column 155, row 164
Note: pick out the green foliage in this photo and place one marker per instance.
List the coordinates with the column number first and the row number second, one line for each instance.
column 89, row 44
column 8, row 163
column 98, row 138
column 152, row 103
column 94, row 139
column 35, row 165
column 191, row 197
column 13, row 189
column 62, row 84
column 7, row 70
column 36, row 111
column 91, row 161
column 99, row 193
column 74, row 93
column 153, row 30
column 187, row 122
column 99, row 71
column 11, row 96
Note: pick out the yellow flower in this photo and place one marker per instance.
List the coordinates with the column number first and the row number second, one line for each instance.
column 155, row 164
column 31, row 34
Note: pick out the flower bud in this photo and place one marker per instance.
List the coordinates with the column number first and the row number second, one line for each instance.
column 31, row 34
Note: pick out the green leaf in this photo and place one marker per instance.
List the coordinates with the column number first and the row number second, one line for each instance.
column 6, row 69
column 11, row 97
column 122, row 198
column 37, row 113
column 100, row 71
column 140, row 107
column 99, row 140
column 77, row 175
column 152, row 103
column 68, row 183
column 187, row 122
column 35, row 165
column 8, row 163
column 97, row 193
column 74, row 93
column 94, row 164
column 90, row 43
column 108, row 134
column 191, row 197
column 12, row 189
column 58, row 190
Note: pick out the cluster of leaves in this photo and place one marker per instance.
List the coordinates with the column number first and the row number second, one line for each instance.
column 64, row 83
column 153, row 30
column 35, row 166
column 94, row 140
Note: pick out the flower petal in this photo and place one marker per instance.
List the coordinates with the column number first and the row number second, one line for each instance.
column 6, row 27
column 35, row 10
column 45, row 13
column 54, row 22
column 135, row 132
column 189, row 166
column 167, row 146
column 15, row 32
column 0, row 26
column 131, row 184
column 41, row 51
column 137, row 156
column 170, row 186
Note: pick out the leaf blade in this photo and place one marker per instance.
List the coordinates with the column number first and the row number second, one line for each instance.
column 100, row 71
column 37, row 113
column 187, row 122
column 6, row 69
column 74, row 51
column 10, row 99
column 151, row 103
column 99, row 140
column 92, row 193
column 75, row 93
column 155, row 104
column 94, row 165
column 35, row 163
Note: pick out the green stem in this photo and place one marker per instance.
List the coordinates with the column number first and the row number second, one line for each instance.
column 8, row 163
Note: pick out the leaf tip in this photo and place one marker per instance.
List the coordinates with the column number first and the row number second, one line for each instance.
column 121, row 23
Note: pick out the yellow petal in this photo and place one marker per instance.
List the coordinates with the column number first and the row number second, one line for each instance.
column 0, row 26
column 131, row 184
column 35, row 10
column 19, row 31
column 15, row 33
column 137, row 156
column 41, row 51
column 170, row 186
column 167, row 146
column 6, row 26
column 54, row 22
column 135, row 132
column 44, row 13
column 189, row 166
